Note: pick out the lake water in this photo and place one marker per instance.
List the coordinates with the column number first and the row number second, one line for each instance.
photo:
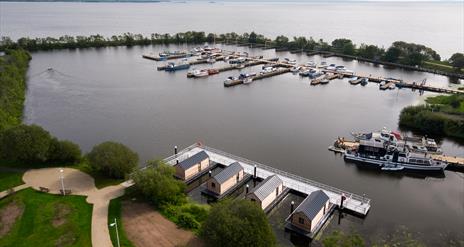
column 94, row 95
column 439, row 25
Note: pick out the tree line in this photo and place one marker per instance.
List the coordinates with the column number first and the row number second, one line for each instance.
column 399, row 52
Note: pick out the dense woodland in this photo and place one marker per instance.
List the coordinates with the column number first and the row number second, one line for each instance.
column 399, row 52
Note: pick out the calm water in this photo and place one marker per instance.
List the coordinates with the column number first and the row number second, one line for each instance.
column 438, row 25
column 114, row 94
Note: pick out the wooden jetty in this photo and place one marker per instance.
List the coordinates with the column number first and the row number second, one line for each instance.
column 159, row 58
column 452, row 160
column 257, row 77
column 357, row 204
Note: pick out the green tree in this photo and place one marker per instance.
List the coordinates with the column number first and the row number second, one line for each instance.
column 25, row 143
column 344, row 46
column 237, row 223
column 157, row 184
column 113, row 159
column 392, row 55
column 457, row 60
column 64, row 152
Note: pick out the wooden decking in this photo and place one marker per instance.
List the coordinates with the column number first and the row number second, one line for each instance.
column 360, row 205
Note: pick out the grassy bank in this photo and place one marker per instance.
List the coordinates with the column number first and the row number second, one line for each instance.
column 441, row 116
column 10, row 179
column 13, row 69
column 48, row 220
column 114, row 212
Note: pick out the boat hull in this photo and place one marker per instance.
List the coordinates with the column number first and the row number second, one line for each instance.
column 382, row 163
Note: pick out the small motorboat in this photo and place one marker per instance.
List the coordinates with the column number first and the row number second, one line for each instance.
column 323, row 65
column 331, row 67
column 248, row 80
column 295, row 69
column 210, row 60
column 200, row 73
column 325, row 81
column 364, row 81
column 311, row 64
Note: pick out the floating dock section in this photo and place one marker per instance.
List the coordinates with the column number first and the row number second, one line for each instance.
column 357, row 204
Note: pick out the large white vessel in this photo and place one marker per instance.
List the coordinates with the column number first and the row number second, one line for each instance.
column 386, row 149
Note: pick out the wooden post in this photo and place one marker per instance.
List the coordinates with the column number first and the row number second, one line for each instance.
column 291, row 206
column 246, row 190
column 209, row 173
column 254, row 172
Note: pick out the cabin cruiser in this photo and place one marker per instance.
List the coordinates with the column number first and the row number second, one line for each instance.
column 389, row 149
column 200, row 73
column 313, row 73
column 311, row 64
column 331, row 67
column 322, row 65
column 382, row 153
column 173, row 67
column 291, row 62
column 295, row 69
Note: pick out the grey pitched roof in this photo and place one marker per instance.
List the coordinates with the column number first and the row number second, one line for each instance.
column 313, row 204
column 266, row 187
column 195, row 159
column 227, row 173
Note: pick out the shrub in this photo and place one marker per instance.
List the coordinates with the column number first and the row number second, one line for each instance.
column 186, row 220
column 159, row 186
column 64, row 152
column 237, row 223
column 112, row 159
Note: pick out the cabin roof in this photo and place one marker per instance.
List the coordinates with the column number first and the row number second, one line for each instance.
column 195, row 159
column 312, row 204
column 228, row 172
column 266, row 187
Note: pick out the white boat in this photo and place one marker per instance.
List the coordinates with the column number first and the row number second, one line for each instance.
column 385, row 148
column 248, row 80
column 311, row 64
column 331, row 67
column 210, row 60
column 323, row 65
column 295, row 69
column 200, row 73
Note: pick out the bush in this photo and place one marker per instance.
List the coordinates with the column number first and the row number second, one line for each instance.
column 237, row 223
column 25, row 143
column 186, row 220
column 113, row 159
column 159, row 186
column 64, row 152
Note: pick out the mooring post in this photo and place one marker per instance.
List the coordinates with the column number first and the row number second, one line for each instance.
column 291, row 206
column 175, row 150
column 246, row 190
column 209, row 173
column 254, row 172
column 341, row 201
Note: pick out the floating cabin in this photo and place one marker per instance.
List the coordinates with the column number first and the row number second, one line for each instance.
column 267, row 191
column 311, row 211
column 192, row 165
column 226, row 179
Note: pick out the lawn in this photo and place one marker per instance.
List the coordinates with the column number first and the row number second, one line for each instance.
column 47, row 220
column 114, row 212
column 10, row 179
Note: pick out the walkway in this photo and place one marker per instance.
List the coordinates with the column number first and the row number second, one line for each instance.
column 82, row 184
column 15, row 189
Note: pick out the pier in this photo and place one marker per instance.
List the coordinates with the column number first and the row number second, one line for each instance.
column 286, row 67
column 354, row 203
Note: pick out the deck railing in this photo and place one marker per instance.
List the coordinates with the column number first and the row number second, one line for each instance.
column 297, row 178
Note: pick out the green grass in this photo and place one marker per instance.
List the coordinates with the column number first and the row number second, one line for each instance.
column 442, row 66
column 35, row 226
column 101, row 180
column 10, row 180
column 114, row 211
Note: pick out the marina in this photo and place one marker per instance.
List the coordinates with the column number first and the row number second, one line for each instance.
column 330, row 72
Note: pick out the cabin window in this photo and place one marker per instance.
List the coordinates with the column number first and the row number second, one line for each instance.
column 213, row 185
column 301, row 220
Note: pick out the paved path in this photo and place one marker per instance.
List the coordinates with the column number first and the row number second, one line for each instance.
column 82, row 184
column 15, row 189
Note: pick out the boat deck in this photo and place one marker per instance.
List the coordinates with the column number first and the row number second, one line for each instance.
column 353, row 202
